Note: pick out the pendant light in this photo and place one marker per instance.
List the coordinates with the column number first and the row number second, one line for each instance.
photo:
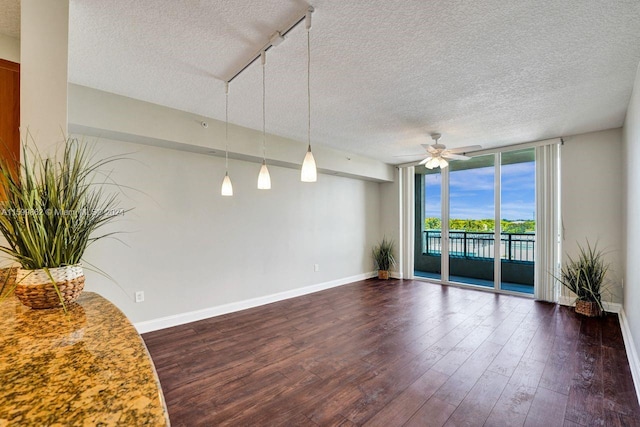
column 309, row 172
column 227, row 188
column 264, row 180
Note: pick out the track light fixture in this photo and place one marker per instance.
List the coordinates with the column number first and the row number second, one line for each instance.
column 276, row 39
column 309, row 172
column 264, row 179
column 227, row 187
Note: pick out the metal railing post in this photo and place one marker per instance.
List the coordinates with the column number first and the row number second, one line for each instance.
column 464, row 244
column 425, row 241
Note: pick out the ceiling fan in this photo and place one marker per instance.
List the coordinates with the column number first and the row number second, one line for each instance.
column 438, row 154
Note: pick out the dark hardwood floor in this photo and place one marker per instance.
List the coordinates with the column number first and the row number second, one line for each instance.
column 397, row 353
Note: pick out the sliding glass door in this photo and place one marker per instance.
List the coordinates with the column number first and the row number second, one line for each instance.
column 472, row 221
column 518, row 224
column 428, row 238
column 486, row 207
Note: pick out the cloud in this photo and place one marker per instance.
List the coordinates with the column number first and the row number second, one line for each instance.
column 518, row 176
column 471, row 212
column 514, row 211
column 471, row 180
column 434, row 179
column 471, row 192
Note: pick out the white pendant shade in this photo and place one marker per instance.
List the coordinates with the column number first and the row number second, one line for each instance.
column 264, row 179
column 443, row 163
column 309, row 172
column 227, row 188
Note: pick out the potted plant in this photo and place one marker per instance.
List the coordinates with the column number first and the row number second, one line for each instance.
column 383, row 257
column 49, row 214
column 585, row 277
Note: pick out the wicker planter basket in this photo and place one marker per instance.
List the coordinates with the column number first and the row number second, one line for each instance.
column 35, row 289
column 383, row 274
column 590, row 309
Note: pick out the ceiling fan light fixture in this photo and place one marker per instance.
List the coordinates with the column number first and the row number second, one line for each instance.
column 431, row 163
column 438, row 156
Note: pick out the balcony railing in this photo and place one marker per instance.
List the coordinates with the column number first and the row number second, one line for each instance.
column 471, row 244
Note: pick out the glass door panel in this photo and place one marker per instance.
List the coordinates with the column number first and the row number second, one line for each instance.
column 428, row 238
column 472, row 221
column 518, row 225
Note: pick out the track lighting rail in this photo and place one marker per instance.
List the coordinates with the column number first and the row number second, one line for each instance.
column 274, row 40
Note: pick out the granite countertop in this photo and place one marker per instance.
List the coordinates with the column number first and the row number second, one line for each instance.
column 87, row 368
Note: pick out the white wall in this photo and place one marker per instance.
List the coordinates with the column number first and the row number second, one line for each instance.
column 44, row 35
column 9, row 48
column 631, row 227
column 107, row 115
column 190, row 248
column 591, row 189
column 390, row 215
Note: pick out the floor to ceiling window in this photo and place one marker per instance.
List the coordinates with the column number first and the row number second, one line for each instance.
column 428, row 238
column 472, row 221
column 486, row 206
column 517, row 224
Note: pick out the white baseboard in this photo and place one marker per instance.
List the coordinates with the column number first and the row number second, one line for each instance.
column 396, row 274
column 193, row 316
column 566, row 301
column 611, row 307
column 632, row 354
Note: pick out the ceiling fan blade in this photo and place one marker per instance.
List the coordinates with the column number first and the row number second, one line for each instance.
column 431, row 149
column 452, row 156
column 467, row 149
column 406, row 165
column 437, row 155
column 426, row 161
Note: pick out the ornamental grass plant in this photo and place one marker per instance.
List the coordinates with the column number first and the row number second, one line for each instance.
column 383, row 255
column 585, row 275
column 52, row 208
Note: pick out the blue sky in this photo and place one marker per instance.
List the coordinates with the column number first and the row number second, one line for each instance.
column 471, row 193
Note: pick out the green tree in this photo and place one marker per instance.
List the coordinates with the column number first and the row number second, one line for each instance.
column 432, row 223
column 482, row 225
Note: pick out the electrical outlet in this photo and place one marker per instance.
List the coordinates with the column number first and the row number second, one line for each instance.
column 316, row 267
column 139, row 296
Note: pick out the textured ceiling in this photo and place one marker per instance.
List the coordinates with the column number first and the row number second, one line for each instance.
column 385, row 73
column 10, row 18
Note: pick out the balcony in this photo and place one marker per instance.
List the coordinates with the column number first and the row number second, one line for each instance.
column 471, row 257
